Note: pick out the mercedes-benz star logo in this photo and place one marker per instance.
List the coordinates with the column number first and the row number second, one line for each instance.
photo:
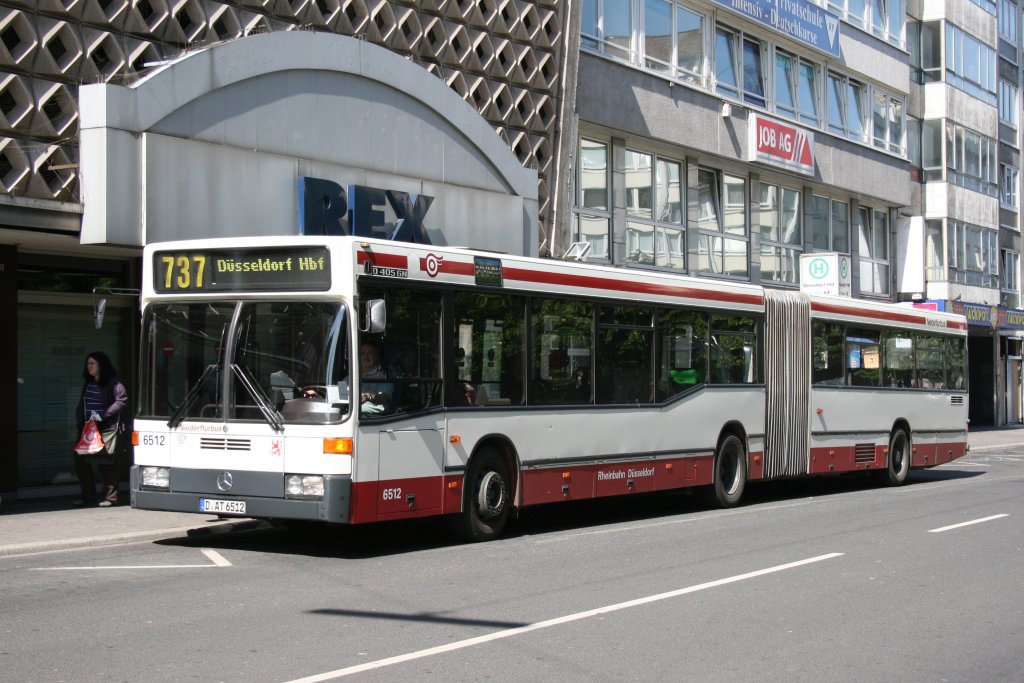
column 224, row 481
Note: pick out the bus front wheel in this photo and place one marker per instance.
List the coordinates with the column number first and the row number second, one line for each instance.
column 899, row 459
column 487, row 498
column 730, row 473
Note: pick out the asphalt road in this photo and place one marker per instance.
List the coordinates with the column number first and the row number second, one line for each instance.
column 813, row 580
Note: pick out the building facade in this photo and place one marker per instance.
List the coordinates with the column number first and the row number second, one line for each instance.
column 713, row 138
column 133, row 121
column 961, row 244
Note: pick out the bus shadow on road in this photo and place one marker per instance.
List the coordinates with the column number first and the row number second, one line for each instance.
column 401, row 537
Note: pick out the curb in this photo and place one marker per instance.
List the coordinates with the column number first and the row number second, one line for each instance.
column 215, row 528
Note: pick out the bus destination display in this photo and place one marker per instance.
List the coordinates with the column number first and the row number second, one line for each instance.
column 242, row 270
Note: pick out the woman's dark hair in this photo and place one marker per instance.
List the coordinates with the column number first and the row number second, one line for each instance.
column 107, row 370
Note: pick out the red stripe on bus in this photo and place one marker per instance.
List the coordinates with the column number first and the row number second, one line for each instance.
column 882, row 315
column 383, row 260
column 630, row 286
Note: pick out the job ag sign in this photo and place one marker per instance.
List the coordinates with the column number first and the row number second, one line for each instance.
column 825, row 273
column 780, row 144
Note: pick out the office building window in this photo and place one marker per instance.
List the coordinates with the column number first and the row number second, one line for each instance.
column 654, row 211
column 970, row 64
column 739, row 66
column 829, row 228
column 592, row 213
column 1008, row 103
column 1008, row 186
column 1008, row 21
column 673, row 40
column 971, row 159
column 972, row 254
column 1009, row 280
column 796, row 88
column 873, row 244
column 781, row 236
column 723, row 237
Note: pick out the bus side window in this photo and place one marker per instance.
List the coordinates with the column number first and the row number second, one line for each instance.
column 827, row 354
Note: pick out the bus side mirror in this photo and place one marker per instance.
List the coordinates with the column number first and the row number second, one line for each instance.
column 376, row 316
column 98, row 311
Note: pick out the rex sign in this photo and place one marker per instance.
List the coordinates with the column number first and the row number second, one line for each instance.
column 780, row 144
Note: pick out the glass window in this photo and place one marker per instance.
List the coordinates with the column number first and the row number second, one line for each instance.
column 934, row 261
column 681, row 351
column 690, row 44
column 658, row 35
column 618, row 29
column 898, row 358
column 863, row 357
column 293, row 356
column 400, row 371
column 956, row 363
column 638, row 170
column 1008, row 103
column 562, row 348
column 739, row 71
column 625, row 345
column 970, row 64
column 1008, row 187
column 930, row 363
column 1009, row 279
column 856, row 119
column 781, row 236
column 874, row 251
column 733, row 350
column 785, row 84
column 721, row 202
column 654, row 207
column 1008, row 21
column 827, row 357
column 489, row 334
column 591, row 216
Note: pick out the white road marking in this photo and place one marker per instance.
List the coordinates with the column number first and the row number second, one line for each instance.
column 508, row 633
column 973, row 521
column 215, row 557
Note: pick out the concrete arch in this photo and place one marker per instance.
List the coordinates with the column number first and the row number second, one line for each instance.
column 308, row 104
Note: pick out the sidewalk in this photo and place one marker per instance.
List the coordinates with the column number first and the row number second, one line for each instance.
column 40, row 525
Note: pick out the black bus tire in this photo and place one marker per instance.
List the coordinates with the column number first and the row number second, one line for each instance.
column 898, row 466
column 487, row 498
column 730, row 474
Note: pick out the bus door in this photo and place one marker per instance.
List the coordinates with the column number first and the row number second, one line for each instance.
column 409, row 466
column 400, row 401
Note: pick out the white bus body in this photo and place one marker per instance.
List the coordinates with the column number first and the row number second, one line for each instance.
column 503, row 382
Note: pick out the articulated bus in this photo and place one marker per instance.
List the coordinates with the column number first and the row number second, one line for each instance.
column 351, row 380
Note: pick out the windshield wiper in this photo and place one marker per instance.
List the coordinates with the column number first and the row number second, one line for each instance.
column 270, row 413
column 190, row 397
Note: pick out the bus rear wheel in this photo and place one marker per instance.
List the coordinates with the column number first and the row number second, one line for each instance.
column 487, row 498
column 899, row 459
column 730, row 473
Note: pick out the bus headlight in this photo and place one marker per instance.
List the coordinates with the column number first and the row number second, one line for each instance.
column 308, row 485
column 156, row 477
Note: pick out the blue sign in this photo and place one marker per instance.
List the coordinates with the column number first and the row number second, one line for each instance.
column 800, row 20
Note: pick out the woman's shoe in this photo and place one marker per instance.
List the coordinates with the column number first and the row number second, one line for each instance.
column 105, row 503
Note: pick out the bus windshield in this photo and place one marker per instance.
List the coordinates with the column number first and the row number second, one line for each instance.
column 286, row 362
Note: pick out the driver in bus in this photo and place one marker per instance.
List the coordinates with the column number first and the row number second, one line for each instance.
column 375, row 396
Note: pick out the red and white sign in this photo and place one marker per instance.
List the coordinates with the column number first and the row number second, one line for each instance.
column 780, row 144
